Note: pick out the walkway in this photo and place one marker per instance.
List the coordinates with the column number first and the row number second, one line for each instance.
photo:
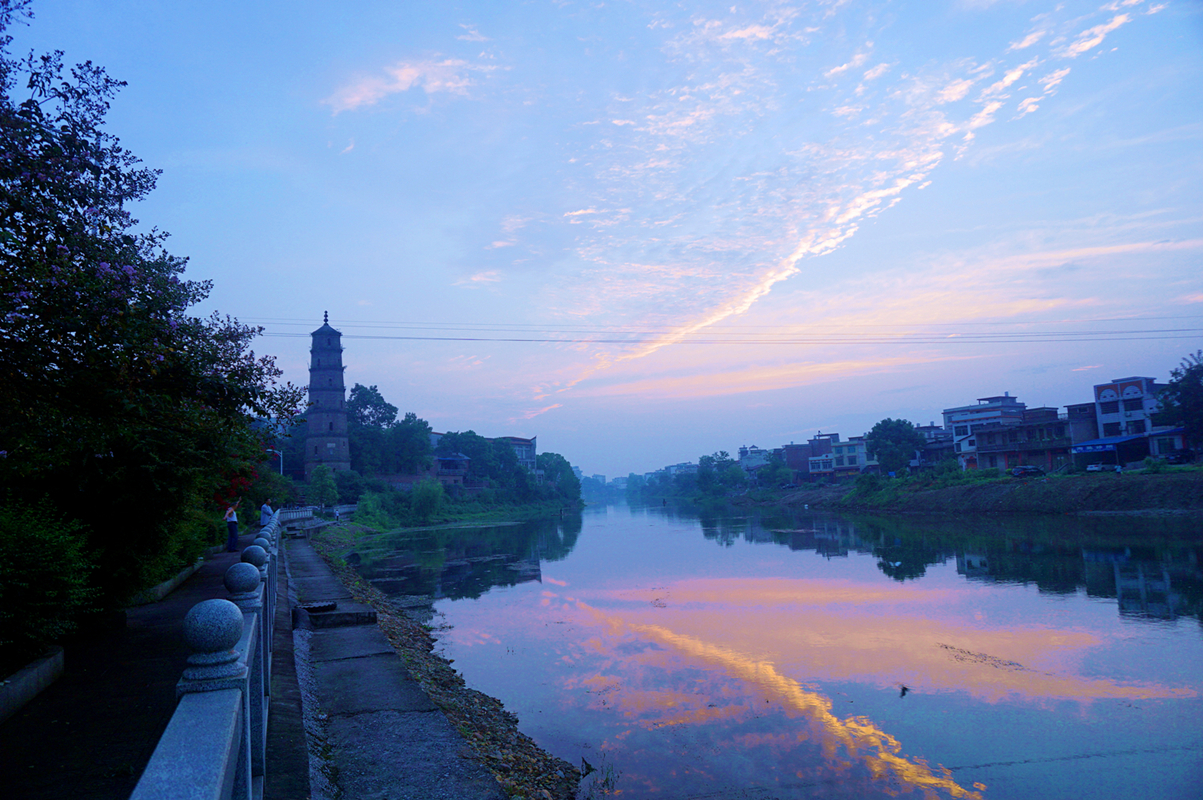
column 90, row 735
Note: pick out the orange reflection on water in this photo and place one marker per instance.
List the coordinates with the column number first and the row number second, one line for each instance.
column 837, row 630
column 863, row 741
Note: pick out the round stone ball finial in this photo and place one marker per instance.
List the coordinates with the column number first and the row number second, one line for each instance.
column 212, row 629
column 242, row 579
column 262, row 542
column 254, row 555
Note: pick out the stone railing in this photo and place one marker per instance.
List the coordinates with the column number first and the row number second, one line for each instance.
column 289, row 514
column 215, row 745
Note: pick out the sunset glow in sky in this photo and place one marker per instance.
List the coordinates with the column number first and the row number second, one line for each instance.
column 721, row 224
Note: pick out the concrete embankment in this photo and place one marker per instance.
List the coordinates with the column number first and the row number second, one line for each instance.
column 1093, row 493
column 379, row 734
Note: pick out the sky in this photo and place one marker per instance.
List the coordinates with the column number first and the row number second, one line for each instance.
column 647, row 231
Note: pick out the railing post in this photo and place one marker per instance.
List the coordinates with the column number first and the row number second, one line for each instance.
column 246, row 591
column 213, row 629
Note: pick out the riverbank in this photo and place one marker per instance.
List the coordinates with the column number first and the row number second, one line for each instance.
column 1173, row 492
column 520, row 766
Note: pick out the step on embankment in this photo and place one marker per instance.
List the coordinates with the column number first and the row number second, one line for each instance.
column 386, row 737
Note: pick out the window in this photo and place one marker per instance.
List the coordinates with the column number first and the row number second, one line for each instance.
column 1134, row 405
column 972, row 443
column 331, row 426
column 839, row 461
column 994, row 461
column 315, row 449
column 1012, row 436
column 958, row 447
column 1111, row 429
column 852, row 461
column 1111, row 407
column 1060, row 431
column 1136, row 426
column 990, row 440
column 961, row 430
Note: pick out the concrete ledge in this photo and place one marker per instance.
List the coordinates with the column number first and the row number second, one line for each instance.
column 26, row 683
column 197, row 755
column 156, row 593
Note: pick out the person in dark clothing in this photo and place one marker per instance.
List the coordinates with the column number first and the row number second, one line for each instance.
column 232, row 527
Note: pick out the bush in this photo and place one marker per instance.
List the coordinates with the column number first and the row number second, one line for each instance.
column 428, row 497
column 44, row 574
column 1154, row 465
column 868, row 483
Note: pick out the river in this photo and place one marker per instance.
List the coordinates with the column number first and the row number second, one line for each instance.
column 686, row 654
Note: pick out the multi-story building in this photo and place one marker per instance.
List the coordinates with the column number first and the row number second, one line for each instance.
column 523, row 448
column 1123, row 413
column 1125, row 406
column 1041, row 439
column 751, row 458
column 964, row 421
column 939, row 445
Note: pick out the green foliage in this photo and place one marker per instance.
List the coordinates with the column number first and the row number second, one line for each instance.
column 350, row 485
column 1181, row 400
column 380, row 445
column 44, row 586
column 774, row 473
column 868, row 483
column 893, row 443
column 112, row 396
column 557, row 472
column 323, row 491
column 427, row 500
column 491, row 460
column 1154, row 465
column 368, row 408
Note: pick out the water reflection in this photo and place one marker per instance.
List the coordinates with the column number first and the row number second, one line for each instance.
column 777, row 661
column 464, row 562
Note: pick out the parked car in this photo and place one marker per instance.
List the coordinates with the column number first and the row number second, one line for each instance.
column 1178, row 457
column 1104, row 468
column 1025, row 471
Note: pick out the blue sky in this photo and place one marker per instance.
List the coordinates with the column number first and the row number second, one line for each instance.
column 737, row 224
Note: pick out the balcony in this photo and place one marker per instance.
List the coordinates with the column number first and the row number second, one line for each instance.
column 1060, row 442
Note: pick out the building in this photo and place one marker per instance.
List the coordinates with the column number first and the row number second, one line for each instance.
column 1124, row 430
column 963, row 421
column 938, row 446
column 326, row 441
column 525, row 449
column 752, row 458
column 1041, row 439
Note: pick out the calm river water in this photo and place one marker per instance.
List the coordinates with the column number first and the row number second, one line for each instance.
column 693, row 655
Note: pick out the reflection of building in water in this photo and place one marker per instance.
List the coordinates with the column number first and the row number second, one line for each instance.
column 1142, row 584
column 1144, row 589
column 974, row 566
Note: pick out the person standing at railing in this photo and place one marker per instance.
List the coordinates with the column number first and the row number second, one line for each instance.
column 265, row 513
column 232, row 527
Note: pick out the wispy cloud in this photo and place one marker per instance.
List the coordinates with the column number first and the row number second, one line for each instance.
column 448, row 75
column 1093, row 37
column 479, row 279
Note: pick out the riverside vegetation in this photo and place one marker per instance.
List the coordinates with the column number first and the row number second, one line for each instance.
column 1155, row 489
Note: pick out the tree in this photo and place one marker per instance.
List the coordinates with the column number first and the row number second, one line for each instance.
column 893, row 443
column 408, row 444
column 558, row 472
column 1181, row 400
column 323, row 490
column 112, row 397
column 368, row 408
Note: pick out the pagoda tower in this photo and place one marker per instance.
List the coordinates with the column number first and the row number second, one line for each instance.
column 327, row 440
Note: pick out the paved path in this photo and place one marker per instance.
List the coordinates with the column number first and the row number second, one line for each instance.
column 90, row 734
column 388, row 740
